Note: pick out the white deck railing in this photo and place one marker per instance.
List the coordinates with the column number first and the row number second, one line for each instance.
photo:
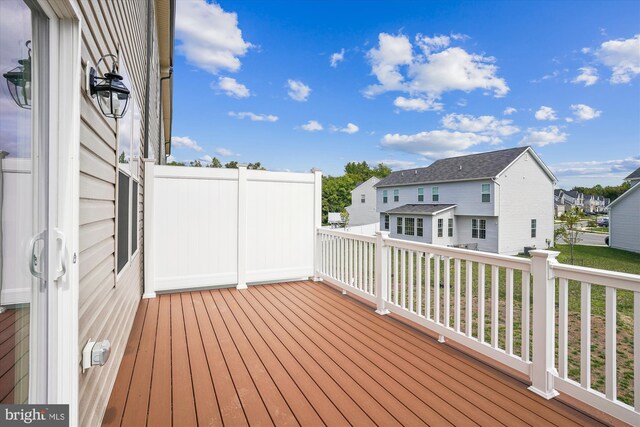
column 500, row 306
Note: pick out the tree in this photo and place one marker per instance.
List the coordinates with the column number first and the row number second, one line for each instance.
column 196, row 163
column 215, row 163
column 175, row 163
column 256, row 166
column 231, row 165
column 122, row 158
column 344, row 216
column 570, row 232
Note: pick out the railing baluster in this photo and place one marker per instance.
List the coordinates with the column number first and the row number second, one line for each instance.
column 395, row 275
column 403, row 275
column 494, row 305
column 427, row 285
column 526, row 316
column 436, row 288
column 419, row 283
column 636, row 350
column 447, row 291
column 508, row 346
column 456, row 295
column 469, row 298
column 360, row 261
column 351, row 245
column 410, row 280
column 372, row 251
column 610, row 343
column 585, row 335
column 365, row 268
column 563, row 327
column 481, row 301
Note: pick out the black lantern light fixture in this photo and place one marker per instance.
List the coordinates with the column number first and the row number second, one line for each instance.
column 19, row 81
column 112, row 94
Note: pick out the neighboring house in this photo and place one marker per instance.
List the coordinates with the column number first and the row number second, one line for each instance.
column 575, row 199
column 363, row 203
column 499, row 201
column 633, row 177
column 90, row 213
column 559, row 206
column 624, row 220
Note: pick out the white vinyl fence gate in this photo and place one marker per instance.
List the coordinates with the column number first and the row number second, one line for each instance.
column 207, row 227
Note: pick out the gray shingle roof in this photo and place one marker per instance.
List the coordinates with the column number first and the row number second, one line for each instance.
column 634, row 175
column 473, row 166
column 420, row 209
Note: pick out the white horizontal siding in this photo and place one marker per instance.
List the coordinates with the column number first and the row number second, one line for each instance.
column 624, row 223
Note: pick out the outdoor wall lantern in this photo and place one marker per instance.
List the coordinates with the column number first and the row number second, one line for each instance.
column 19, row 81
column 112, row 94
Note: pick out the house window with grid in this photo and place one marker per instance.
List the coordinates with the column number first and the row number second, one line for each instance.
column 386, row 222
column 486, row 193
column 479, row 228
column 409, row 226
column 450, row 227
column 440, row 226
column 421, row 194
column 419, row 227
column 362, row 198
column 396, row 195
column 435, row 196
column 534, row 225
column 399, row 225
column 385, row 199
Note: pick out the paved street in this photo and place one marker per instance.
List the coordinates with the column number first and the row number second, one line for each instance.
column 590, row 239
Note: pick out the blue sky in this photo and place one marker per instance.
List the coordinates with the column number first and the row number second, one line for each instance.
column 305, row 84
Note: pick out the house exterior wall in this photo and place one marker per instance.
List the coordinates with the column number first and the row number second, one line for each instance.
column 464, row 228
column 467, row 195
column 363, row 213
column 445, row 240
column 107, row 304
column 624, row 223
column 393, row 222
column 526, row 193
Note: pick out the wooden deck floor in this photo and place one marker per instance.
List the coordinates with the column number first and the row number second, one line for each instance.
column 302, row 354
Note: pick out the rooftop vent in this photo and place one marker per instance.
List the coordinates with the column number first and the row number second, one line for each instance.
column 401, row 173
column 415, row 172
column 460, row 167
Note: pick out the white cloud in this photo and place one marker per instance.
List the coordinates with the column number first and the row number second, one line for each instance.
column 434, row 144
column 206, row 158
column 546, row 113
column 509, row 111
column 588, row 76
column 619, row 168
column 221, row 151
column 254, row 117
column 417, row 104
column 544, row 136
column 312, row 126
column 232, row 88
column 397, row 164
column 170, row 158
column 336, row 58
column 209, row 37
column 622, row 57
column 185, row 142
column 483, row 125
column 350, row 128
column 584, row 112
column 432, row 72
column 298, row 91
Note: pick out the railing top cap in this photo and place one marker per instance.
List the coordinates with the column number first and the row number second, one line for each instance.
column 544, row 253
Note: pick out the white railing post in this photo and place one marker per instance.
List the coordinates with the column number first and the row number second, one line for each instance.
column 149, row 230
column 317, row 223
column 381, row 285
column 242, row 227
column 542, row 369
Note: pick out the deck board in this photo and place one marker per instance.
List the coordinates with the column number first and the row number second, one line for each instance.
column 300, row 353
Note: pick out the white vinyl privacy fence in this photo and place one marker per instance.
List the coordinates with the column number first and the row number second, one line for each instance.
column 207, row 227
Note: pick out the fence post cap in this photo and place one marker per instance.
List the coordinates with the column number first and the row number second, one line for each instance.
column 543, row 253
column 242, row 165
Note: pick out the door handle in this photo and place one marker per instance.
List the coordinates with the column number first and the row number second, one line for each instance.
column 63, row 255
column 33, row 258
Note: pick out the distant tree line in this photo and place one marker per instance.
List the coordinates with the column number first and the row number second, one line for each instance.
column 336, row 190
column 610, row 191
column 215, row 163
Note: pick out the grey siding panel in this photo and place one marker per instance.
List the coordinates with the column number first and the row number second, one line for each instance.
column 107, row 303
column 624, row 227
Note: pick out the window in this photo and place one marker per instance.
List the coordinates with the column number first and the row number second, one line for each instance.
column 385, row 199
column 434, row 194
column 419, row 227
column 486, row 193
column 440, row 226
column 533, row 227
column 478, row 228
column 450, row 227
column 396, row 195
column 362, row 196
column 421, row 194
column 409, row 226
column 386, row 222
column 128, row 141
column 399, row 225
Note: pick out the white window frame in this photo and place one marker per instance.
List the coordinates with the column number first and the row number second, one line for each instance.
column 450, row 227
column 421, row 194
column 409, row 230
column 386, row 221
column 440, row 225
column 385, row 197
column 399, row 225
column 396, row 195
column 485, row 193
column 363, row 198
column 476, row 225
column 435, row 194
column 420, row 227
column 534, row 228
